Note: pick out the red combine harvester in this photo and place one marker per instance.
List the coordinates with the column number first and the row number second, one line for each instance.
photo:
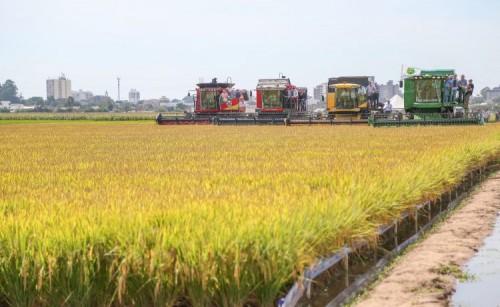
column 279, row 102
column 214, row 99
column 280, row 97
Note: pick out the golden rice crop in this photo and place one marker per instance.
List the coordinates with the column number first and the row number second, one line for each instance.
column 94, row 214
column 104, row 116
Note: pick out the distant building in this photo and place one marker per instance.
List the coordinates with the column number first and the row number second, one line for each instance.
column 493, row 93
column 134, row 96
column 100, row 98
column 164, row 100
column 387, row 91
column 82, row 95
column 12, row 107
column 59, row 88
column 319, row 91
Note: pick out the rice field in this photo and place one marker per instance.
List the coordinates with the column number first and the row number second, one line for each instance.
column 78, row 116
column 140, row 214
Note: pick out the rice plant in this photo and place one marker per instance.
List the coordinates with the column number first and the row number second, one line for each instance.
column 140, row 214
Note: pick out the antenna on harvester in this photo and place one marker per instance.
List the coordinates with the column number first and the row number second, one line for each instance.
column 118, row 78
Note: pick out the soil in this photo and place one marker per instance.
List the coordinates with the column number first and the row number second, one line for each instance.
column 427, row 274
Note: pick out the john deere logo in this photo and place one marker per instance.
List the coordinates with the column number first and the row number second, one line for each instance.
column 410, row 70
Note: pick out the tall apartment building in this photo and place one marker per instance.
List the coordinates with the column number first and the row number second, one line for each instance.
column 319, row 91
column 134, row 96
column 59, row 88
column 388, row 90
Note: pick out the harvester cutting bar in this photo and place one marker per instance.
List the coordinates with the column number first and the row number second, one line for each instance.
column 330, row 121
column 248, row 121
column 183, row 119
column 425, row 119
column 284, row 121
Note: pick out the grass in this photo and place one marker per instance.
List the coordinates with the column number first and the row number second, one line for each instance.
column 455, row 271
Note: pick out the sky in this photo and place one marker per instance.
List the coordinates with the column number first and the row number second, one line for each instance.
column 164, row 47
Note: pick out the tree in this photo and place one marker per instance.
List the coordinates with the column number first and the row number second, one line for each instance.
column 70, row 103
column 51, row 101
column 8, row 91
column 34, row 101
column 496, row 100
column 126, row 107
column 478, row 100
column 181, row 106
column 484, row 91
column 188, row 99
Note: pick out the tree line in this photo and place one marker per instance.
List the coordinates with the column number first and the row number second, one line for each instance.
column 10, row 92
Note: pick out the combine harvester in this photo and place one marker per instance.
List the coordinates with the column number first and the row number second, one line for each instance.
column 209, row 102
column 278, row 103
column 347, row 99
column 424, row 103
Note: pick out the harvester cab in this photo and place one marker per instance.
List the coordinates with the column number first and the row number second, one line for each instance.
column 214, row 97
column 347, row 98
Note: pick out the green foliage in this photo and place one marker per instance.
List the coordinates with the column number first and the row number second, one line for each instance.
column 454, row 270
column 8, row 92
column 484, row 91
column 181, row 107
column 34, row 101
column 70, row 103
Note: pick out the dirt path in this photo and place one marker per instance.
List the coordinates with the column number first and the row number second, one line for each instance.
column 424, row 276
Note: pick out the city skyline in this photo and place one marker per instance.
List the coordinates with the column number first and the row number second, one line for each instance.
column 162, row 48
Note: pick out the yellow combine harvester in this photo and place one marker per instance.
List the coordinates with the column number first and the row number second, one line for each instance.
column 347, row 98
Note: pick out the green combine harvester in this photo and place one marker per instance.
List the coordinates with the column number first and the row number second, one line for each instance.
column 425, row 103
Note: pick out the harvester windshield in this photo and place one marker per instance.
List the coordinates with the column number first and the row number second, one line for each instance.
column 428, row 90
column 272, row 98
column 347, row 98
column 209, row 98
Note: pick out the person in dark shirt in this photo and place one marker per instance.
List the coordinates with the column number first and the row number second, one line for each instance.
column 468, row 93
column 302, row 100
column 454, row 88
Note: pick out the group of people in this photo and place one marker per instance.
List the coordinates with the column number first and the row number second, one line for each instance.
column 372, row 94
column 295, row 98
column 454, row 86
column 227, row 96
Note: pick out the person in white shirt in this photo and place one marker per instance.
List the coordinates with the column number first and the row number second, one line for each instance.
column 388, row 107
column 369, row 94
